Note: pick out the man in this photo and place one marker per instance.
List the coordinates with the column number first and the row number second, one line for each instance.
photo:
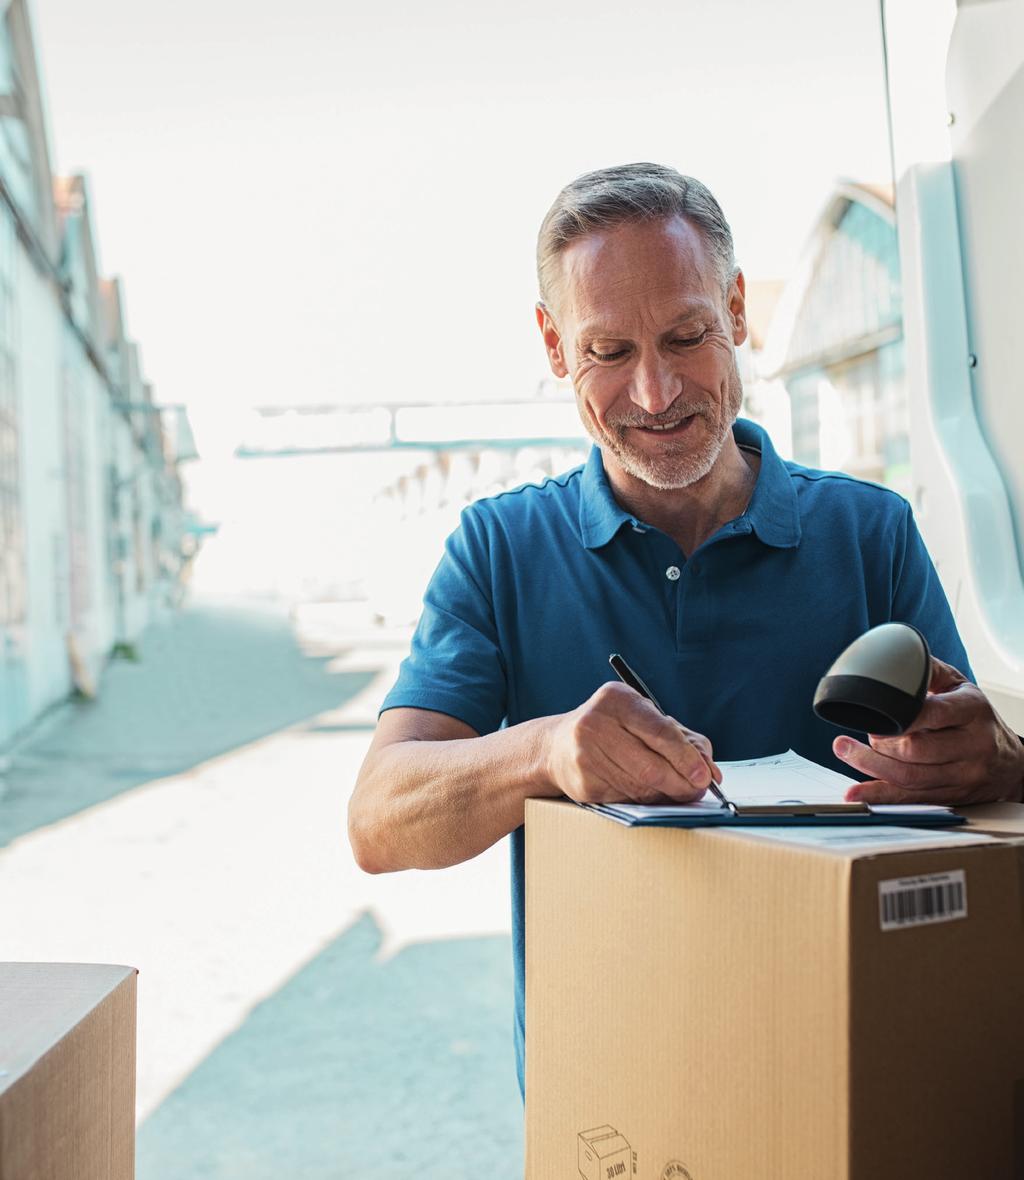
column 728, row 579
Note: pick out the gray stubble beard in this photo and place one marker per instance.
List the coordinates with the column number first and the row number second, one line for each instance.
column 679, row 468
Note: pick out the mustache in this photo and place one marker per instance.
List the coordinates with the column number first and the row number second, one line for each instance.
column 675, row 413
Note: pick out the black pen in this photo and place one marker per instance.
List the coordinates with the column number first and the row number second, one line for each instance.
column 626, row 674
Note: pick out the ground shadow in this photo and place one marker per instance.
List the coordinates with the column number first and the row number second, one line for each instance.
column 208, row 680
column 357, row 1068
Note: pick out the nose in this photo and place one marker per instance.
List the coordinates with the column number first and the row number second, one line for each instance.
column 654, row 387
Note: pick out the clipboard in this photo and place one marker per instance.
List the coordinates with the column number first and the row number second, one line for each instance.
column 764, row 795
column 779, row 814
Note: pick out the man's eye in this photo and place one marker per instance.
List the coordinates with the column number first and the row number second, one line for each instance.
column 691, row 341
column 606, row 356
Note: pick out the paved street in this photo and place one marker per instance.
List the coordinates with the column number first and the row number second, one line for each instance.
column 296, row 1017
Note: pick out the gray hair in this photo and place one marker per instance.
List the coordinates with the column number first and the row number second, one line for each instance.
column 631, row 193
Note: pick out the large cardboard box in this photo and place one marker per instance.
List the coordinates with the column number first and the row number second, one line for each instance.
column 67, row 1071
column 773, row 1004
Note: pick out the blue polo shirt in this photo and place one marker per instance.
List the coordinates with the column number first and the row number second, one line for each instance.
column 538, row 585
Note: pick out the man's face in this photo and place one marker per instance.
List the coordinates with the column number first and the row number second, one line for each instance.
column 647, row 335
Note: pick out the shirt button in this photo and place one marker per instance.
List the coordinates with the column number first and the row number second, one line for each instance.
column 672, row 573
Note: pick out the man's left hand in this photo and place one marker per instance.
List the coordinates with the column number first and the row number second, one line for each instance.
column 958, row 751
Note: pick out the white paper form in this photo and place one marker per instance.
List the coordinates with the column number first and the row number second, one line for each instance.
column 783, row 778
column 776, row 779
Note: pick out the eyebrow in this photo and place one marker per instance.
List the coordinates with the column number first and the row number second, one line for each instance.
column 597, row 330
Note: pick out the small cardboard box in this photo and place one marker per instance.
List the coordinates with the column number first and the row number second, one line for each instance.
column 67, row 1071
column 773, row 1004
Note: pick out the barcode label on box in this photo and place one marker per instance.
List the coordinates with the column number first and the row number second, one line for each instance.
column 920, row 901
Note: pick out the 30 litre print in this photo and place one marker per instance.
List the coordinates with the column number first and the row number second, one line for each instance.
column 921, row 901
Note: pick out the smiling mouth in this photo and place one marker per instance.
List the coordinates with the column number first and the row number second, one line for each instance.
column 668, row 429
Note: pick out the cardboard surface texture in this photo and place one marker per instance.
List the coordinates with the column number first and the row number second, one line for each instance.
column 772, row 1004
column 67, row 1071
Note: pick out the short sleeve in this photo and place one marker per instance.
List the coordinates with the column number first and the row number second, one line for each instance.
column 919, row 599
column 455, row 665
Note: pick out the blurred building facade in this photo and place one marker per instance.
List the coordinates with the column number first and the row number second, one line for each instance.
column 835, row 342
column 92, row 529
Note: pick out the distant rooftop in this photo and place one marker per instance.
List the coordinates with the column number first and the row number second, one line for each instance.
column 881, row 192
column 762, row 297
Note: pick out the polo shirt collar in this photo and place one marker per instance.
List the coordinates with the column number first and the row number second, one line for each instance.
column 601, row 516
column 773, row 513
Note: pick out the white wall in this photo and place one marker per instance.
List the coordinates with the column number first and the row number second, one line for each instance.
column 38, row 366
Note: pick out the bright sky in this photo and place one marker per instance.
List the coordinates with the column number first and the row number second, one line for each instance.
column 315, row 202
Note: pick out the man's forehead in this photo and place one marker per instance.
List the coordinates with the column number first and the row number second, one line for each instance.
column 662, row 263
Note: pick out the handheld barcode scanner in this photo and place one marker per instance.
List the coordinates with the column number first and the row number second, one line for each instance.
column 878, row 684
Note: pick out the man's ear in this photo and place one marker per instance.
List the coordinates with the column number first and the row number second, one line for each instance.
column 552, row 341
column 737, row 305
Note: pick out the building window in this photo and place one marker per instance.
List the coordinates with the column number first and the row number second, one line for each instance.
column 855, row 291
column 15, row 138
column 845, row 360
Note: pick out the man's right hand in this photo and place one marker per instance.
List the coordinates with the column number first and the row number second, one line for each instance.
column 619, row 747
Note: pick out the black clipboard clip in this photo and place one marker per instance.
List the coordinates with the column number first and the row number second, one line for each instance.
column 795, row 808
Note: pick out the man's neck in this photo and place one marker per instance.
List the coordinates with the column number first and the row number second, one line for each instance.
column 690, row 515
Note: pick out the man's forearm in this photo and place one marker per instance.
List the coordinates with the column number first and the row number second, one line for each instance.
column 430, row 804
